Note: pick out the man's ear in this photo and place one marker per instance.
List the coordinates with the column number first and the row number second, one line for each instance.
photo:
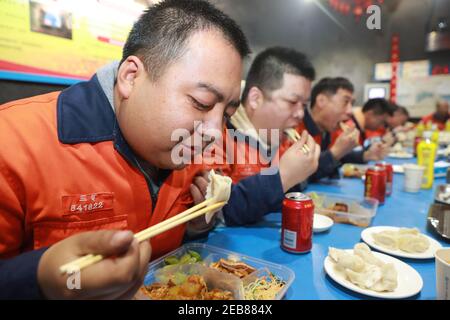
column 255, row 98
column 321, row 101
column 129, row 71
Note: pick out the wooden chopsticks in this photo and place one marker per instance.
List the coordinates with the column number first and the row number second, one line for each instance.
column 185, row 216
column 295, row 136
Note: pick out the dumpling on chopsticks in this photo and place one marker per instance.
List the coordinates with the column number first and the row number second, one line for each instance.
column 219, row 189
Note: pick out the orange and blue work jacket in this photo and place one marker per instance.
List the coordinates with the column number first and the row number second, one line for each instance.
column 328, row 165
column 64, row 169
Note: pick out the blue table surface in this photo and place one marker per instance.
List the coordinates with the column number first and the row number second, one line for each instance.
column 262, row 240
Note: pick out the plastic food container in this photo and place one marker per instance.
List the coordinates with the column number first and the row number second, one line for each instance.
column 442, row 194
column 158, row 271
column 360, row 211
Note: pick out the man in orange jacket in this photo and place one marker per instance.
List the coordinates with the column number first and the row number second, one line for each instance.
column 253, row 146
column 438, row 118
column 99, row 155
column 331, row 104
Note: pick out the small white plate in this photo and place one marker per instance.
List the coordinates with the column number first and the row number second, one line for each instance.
column 366, row 236
column 398, row 168
column 322, row 223
column 402, row 155
column 409, row 280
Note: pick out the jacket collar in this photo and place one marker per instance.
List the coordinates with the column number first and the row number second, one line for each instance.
column 310, row 125
column 84, row 115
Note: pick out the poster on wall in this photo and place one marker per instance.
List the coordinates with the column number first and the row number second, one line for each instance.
column 406, row 69
column 63, row 41
column 421, row 94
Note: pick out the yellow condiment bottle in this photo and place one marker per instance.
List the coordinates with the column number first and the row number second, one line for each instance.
column 420, row 129
column 447, row 126
column 426, row 153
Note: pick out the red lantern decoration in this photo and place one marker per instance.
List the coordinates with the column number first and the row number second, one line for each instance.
column 356, row 7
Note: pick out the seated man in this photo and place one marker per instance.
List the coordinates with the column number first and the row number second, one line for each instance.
column 371, row 117
column 395, row 123
column 439, row 117
column 331, row 105
column 277, row 89
column 398, row 121
column 76, row 165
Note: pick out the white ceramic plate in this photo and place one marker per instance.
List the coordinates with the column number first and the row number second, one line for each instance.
column 366, row 236
column 322, row 223
column 402, row 155
column 409, row 280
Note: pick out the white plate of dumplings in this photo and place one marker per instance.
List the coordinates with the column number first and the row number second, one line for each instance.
column 392, row 279
column 409, row 243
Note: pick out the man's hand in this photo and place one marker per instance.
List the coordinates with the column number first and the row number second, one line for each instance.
column 112, row 278
column 198, row 192
column 389, row 139
column 295, row 165
column 376, row 152
column 345, row 143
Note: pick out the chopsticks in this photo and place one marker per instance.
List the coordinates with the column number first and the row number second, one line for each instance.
column 295, row 136
column 148, row 233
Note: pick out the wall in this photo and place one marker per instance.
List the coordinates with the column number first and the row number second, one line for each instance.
column 345, row 49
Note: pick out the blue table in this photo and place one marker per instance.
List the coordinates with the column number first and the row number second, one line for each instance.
column 311, row 282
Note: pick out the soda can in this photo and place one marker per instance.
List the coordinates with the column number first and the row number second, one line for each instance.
column 297, row 223
column 389, row 176
column 375, row 185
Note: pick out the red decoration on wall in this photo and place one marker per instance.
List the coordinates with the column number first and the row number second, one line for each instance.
column 438, row 69
column 356, row 7
column 395, row 59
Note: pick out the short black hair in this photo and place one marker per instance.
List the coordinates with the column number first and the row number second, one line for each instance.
column 161, row 33
column 397, row 108
column 269, row 66
column 378, row 106
column 330, row 86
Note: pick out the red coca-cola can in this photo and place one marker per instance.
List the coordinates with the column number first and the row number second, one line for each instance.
column 389, row 175
column 297, row 223
column 375, row 185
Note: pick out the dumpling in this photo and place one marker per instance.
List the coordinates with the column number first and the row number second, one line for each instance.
column 219, row 189
column 405, row 239
column 413, row 243
column 387, row 239
column 363, row 251
column 366, row 279
column 363, row 269
column 345, row 260
column 388, row 281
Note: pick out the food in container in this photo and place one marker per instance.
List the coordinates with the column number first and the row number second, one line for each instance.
column 345, row 209
column 215, row 275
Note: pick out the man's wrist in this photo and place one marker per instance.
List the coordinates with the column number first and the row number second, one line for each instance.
column 336, row 154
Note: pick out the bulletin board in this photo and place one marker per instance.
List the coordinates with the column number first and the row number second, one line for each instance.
column 420, row 95
column 63, row 41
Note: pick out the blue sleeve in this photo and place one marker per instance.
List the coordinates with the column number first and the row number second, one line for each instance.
column 18, row 276
column 328, row 167
column 252, row 198
column 354, row 157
